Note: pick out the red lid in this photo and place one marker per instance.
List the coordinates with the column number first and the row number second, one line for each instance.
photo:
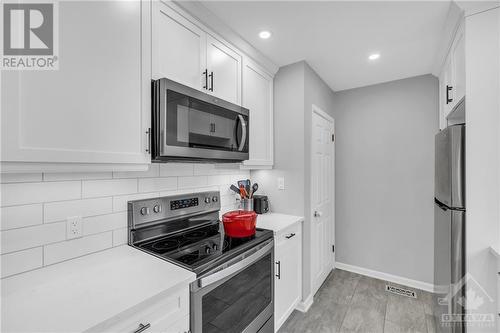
column 239, row 214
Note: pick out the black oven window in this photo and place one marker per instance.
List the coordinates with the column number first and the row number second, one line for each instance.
column 236, row 303
column 197, row 124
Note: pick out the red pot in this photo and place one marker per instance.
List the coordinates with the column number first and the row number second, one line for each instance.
column 239, row 223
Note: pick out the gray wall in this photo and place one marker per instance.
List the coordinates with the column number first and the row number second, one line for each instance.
column 385, row 176
column 296, row 88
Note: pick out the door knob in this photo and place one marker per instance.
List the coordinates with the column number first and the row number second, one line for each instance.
column 317, row 214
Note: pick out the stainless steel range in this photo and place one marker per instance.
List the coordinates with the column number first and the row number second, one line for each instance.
column 234, row 290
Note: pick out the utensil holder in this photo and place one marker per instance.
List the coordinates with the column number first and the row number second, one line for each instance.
column 246, row 204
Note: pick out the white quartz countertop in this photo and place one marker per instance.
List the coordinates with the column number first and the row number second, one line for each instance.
column 277, row 222
column 75, row 295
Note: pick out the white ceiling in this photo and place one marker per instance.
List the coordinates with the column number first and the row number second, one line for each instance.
column 335, row 38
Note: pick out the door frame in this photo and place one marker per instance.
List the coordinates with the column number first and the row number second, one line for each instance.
column 318, row 111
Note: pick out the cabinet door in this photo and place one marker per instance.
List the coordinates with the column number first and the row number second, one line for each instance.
column 224, row 66
column 96, row 107
column 287, row 286
column 179, row 47
column 458, row 63
column 258, row 98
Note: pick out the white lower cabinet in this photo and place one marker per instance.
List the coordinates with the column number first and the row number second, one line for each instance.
column 164, row 314
column 288, row 272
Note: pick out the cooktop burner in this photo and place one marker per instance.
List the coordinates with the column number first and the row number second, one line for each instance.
column 195, row 248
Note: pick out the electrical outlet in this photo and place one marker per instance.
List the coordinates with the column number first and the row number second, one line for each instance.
column 281, row 183
column 74, row 228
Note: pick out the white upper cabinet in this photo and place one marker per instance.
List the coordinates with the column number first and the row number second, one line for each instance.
column 185, row 53
column 258, row 98
column 452, row 77
column 95, row 109
column 458, row 60
column 224, row 71
column 179, row 47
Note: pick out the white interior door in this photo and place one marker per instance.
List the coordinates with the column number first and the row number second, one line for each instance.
column 322, row 201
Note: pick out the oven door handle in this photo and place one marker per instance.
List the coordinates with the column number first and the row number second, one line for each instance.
column 220, row 275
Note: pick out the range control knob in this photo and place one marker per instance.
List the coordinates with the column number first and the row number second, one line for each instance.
column 207, row 200
column 215, row 199
column 208, row 250
column 157, row 209
column 145, row 211
column 215, row 247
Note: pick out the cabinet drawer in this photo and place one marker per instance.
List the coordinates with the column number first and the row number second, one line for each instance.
column 158, row 313
column 291, row 233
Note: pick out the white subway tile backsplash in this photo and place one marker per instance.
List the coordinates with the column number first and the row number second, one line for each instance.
column 120, row 236
column 22, row 261
column 153, row 171
column 36, row 206
column 27, row 193
column 59, row 211
column 102, row 223
column 20, row 177
column 120, row 202
column 20, row 216
column 76, row 176
column 216, row 180
column 157, row 184
column 176, row 169
column 103, row 188
column 193, row 182
column 25, row 238
column 57, row 252
column 205, row 169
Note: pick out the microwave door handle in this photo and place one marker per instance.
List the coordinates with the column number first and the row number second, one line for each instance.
column 220, row 275
column 243, row 132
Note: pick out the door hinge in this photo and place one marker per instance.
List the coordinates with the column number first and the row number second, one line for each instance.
column 333, row 137
column 148, row 133
column 333, row 248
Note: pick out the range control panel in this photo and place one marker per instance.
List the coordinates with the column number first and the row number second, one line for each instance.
column 183, row 203
column 141, row 212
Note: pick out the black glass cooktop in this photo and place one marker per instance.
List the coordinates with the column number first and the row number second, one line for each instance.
column 200, row 247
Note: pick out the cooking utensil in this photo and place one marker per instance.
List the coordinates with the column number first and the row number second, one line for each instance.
column 255, row 187
column 239, row 223
column 235, row 189
column 243, row 192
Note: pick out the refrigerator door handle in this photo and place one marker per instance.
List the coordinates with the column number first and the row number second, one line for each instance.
column 441, row 205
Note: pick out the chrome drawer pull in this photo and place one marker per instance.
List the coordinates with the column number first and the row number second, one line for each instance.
column 142, row 327
column 290, row 236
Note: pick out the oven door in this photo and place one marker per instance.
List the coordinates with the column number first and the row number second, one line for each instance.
column 237, row 297
column 194, row 125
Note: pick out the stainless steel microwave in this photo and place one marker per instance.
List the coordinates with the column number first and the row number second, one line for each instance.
column 190, row 125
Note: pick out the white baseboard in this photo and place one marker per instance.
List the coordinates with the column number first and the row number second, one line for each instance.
column 304, row 306
column 387, row 277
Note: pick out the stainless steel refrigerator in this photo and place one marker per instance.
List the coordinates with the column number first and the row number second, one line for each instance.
column 449, row 228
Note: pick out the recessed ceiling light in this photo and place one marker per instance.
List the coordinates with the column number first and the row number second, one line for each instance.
column 264, row 34
column 374, row 56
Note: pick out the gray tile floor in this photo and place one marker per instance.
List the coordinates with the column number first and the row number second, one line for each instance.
column 348, row 302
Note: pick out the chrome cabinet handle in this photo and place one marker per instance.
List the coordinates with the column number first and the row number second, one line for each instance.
column 279, row 270
column 448, row 99
column 211, row 76
column 206, row 79
column 142, row 327
column 290, row 236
